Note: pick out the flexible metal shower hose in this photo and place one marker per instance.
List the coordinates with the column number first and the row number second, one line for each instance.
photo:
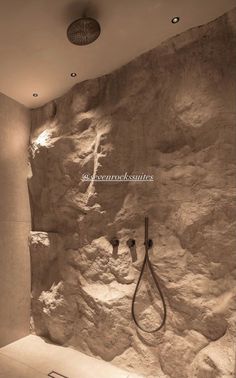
column 149, row 264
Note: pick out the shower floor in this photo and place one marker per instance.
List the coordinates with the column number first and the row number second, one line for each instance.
column 32, row 357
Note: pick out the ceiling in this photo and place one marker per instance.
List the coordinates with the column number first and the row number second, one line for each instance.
column 35, row 55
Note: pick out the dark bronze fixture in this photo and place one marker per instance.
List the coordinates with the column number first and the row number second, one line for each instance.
column 83, row 31
column 114, row 242
column 132, row 246
column 148, row 245
column 54, row 374
column 130, row 243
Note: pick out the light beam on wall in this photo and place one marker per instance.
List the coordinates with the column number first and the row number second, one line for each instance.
column 43, row 138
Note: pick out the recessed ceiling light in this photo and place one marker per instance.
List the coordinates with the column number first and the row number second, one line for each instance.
column 35, row 95
column 73, row 74
column 175, row 20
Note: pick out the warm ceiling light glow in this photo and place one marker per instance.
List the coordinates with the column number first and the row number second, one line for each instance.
column 175, row 20
column 73, row 74
column 35, row 95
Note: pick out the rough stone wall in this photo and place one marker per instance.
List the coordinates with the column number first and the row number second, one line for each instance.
column 169, row 113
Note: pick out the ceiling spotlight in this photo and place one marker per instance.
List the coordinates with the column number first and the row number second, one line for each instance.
column 73, row 74
column 175, row 20
column 35, row 95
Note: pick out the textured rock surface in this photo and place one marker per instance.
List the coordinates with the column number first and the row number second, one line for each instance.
column 171, row 114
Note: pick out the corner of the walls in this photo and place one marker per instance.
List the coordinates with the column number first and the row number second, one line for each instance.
column 40, row 115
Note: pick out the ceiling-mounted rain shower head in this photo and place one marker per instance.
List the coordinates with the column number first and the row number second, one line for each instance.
column 83, row 31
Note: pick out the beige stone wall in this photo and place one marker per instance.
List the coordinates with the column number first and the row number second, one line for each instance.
column 14, row 221
column 171, row 114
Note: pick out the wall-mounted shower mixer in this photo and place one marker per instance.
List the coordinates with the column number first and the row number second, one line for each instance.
column 148, row 245
column 114, row 242
column 132, row 246
column 130, row 243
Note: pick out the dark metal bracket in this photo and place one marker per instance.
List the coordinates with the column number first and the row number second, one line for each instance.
column 54, row 374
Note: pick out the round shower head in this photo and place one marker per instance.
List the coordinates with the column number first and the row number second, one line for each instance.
column 83, row 31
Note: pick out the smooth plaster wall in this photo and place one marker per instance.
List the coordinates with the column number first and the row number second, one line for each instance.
column 14, row 221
